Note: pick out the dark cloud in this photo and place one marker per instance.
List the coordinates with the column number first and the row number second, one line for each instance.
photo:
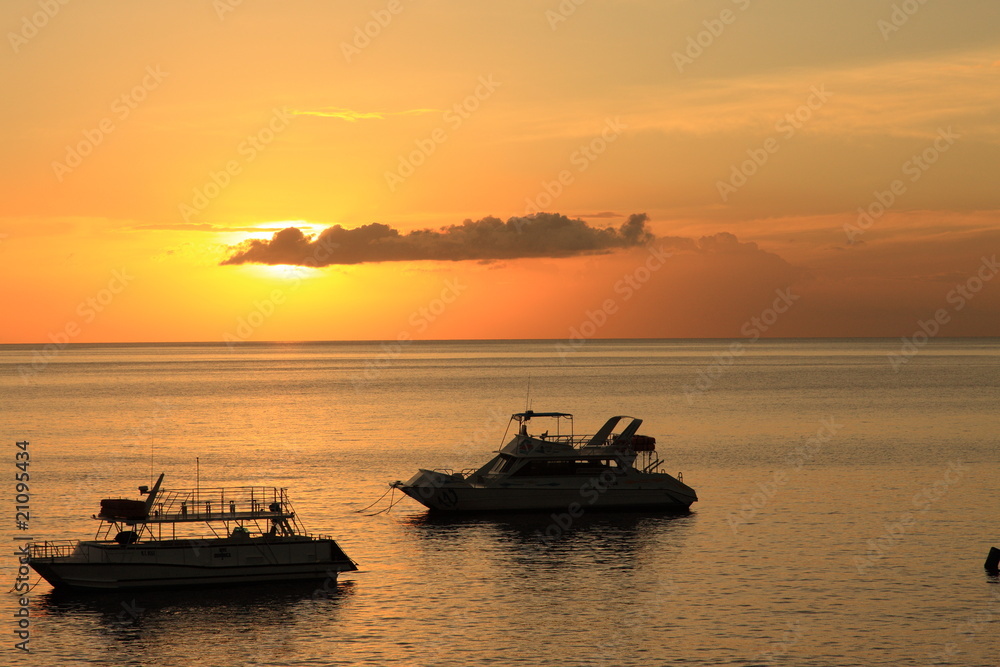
column 540, row 235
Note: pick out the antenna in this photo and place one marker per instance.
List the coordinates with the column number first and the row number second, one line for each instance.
column 197, row 478
column 151, row 460
column 527, row 398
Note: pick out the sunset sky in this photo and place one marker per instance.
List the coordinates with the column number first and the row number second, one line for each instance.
column 842, row 154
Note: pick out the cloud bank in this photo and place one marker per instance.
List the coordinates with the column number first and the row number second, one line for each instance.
column 540, row 235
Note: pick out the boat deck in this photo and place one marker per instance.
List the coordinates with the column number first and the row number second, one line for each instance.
column 241, row 503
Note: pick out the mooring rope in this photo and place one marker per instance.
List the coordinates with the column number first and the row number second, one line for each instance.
column 37, row 581
column 364, row 509
column 393, row 501
column 386, row 510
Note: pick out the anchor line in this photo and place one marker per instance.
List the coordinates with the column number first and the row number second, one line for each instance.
column 392, row 503
column 30, row 588
column 363, row 509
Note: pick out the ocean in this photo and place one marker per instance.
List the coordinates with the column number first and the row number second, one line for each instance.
column 848, row 492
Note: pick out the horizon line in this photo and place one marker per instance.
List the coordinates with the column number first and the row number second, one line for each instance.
column 473, row 340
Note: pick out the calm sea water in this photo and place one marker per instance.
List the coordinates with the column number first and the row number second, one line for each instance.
column 845, row 508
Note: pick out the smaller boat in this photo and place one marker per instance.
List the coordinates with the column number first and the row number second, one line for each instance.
column 606, row 470
column 253, row 535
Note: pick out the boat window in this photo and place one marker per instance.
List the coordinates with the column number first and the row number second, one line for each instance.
column 561, row 468
column 502, row 465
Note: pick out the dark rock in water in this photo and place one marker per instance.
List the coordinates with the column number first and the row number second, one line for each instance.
column 993, row 560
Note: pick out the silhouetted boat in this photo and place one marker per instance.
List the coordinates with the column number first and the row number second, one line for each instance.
column 568, row 472
column 255, row 536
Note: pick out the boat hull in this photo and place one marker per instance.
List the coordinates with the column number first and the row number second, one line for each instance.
column 93, row 576
column 442, row 493
column 104, row 566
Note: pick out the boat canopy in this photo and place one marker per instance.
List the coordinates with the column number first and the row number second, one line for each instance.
column 529, row 414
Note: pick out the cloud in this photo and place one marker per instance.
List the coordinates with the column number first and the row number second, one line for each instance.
column 870, row 98
column 352, row 116
column 602, row 214
column 540, row 235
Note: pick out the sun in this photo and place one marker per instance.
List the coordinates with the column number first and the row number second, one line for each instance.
column 283, row 271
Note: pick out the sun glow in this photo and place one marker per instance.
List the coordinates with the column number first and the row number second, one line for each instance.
column 283, row 271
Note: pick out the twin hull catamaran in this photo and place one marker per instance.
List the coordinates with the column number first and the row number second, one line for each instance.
column 606, row 470
column 255, row 537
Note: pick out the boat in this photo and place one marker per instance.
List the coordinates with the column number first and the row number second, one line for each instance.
column 247, row 534
column 607, row 470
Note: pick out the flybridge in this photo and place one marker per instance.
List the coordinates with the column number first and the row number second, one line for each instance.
column 605, row 437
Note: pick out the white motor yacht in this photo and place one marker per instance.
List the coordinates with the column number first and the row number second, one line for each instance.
column 558, row 471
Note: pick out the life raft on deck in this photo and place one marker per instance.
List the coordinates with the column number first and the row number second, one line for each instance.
column 643, row 443
column 121, row 508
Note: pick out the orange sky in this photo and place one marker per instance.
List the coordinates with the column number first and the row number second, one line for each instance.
column 141, row 142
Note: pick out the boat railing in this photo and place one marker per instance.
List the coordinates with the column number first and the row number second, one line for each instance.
column 451, row 473
column 52, row 549
column 653, row 465
column 218, row 504
column 577, row 441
